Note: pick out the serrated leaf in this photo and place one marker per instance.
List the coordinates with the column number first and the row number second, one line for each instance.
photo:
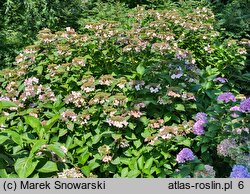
column 70, row 126
column 48, row 167
column 68, row 142
column 39, row 70
column 25, row 166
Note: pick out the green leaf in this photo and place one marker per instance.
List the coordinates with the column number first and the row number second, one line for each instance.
column 70, row 126
column 137, row 143
column 3, row 173
column 3, row 163
column 140, row 162
column 25, row 166
column 199, row 167
column 134, row 173
column 51, row 122
column 204, row 148
column 180, row 107
column 62, row 132
column 37, row 145
column 186, row 142
column 167, row 118
column 144, row 120
column 87, row 57
column 116, row 161
column 57, row 149
column 39, row 70
column 48, row 167
column 86, row 170
column 68, row 142
column 93, row 164
column 140, row 69
column 131, row 126
column 149, row 163
column 33, row 122
column 124, row 172
column 83, row 158
column 6, row 104
column 3, row 139
column 96, row 139
column 184, row 172
column 16, row 137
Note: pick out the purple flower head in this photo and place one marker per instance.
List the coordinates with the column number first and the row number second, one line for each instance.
column 198, row 127
column 201, row 119
column 226, row 97
column 220, row 79
column 245, row 105
column 235, row 108
column 201, row 116
column 239, row 171
column 184, row 155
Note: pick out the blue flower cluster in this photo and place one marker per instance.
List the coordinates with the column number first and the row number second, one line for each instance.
column 239, row 171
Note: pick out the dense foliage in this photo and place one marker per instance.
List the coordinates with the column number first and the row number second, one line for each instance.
column 21, row 20
column 135, row 92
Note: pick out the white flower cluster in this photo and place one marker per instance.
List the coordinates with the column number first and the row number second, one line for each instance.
column 178, row 74
column 117, row 121
column 70, row 173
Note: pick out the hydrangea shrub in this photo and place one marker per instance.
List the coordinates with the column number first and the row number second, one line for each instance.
column 151, row 97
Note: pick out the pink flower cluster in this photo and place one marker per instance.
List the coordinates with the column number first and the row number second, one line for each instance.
column 117, row 121
column 31, row 88
column 69, row 115
column 76, row 98
column 156, row 124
